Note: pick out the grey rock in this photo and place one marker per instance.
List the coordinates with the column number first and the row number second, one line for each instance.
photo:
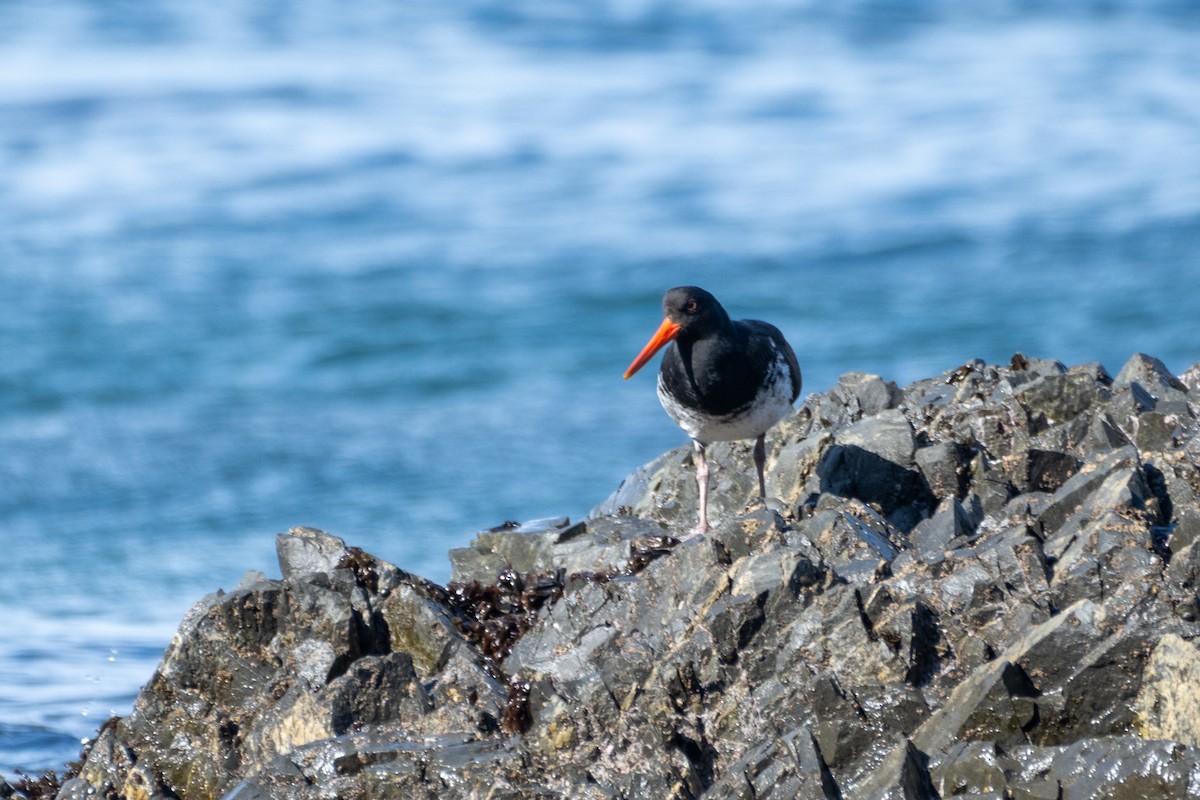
column 1054, row 398
column 1150, row 373
column 1191, row 379
column 979, row 769
column 932, row 537
column 601, row 543
column 989, row 488
column 1071, row 496
column 984, row 584
column 71, row 789
column 788, row 767
column 865, row 394
column 307, row 550
column 1119, row 768
column 944, row 466
column 873, row 460
column 1152, row 403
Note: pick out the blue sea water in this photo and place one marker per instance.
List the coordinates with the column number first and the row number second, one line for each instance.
column 377, row 267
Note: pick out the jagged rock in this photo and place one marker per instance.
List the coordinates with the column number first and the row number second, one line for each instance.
column 1151, row 374
column 304, row 551
column 788, row 767
column 864, row 395
column 598, row 544
column 932, row 537
column 1168, row 702
column 873, row 460
column 1153, row 403
column 1122, row 767
column 985, row 584
column 943, row 466
column 1175, row 481
column 1191, row 381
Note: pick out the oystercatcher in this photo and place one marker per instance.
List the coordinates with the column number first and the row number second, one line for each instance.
column 721, row 380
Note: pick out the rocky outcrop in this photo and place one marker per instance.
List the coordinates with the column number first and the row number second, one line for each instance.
column 983, row 584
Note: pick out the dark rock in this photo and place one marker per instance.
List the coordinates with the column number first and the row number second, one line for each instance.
column 1122, row 768
column 930, row 540
column 985, row 585
column 865, row 395
column 989, row 488
column 978, row 769
column 1150, row 373
column 1057, row 397
column 873, row 461
column 598, row 544
column 788, row 767
column 914, row 780
column 944, row 466
column 1071, row 496
column 1152, row 404
column 1047, row 470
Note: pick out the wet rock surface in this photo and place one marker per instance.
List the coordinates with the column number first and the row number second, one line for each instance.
column 983, row 584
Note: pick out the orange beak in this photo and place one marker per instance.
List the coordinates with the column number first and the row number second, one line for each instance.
column 665, row 333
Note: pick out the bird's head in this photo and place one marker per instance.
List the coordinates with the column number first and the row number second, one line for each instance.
column 689, row 313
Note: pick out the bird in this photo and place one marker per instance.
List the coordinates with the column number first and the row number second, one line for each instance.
column 721, row 379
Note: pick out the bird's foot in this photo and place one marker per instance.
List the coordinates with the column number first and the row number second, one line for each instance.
column 699, row 530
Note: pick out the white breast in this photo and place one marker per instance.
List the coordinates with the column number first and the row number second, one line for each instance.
column 772, row 403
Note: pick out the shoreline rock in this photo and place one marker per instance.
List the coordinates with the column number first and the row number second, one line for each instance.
column 984, row 583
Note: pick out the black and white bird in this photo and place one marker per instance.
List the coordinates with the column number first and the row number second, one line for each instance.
column 721, row 380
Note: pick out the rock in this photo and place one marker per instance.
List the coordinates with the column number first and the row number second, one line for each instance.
column 303, row 551
column 873, row 460
column 1123, row 767
column 934, row 536
column 1047, row 470
column 1153, row 403
column 1191, row 379
column 376, row 690
column 985, row 584
column 863, row 394
column 943, row 466
column 974, row 769
column 1059, row 396
column 1150, row 373
column 1070, row 498
column 788, row 767
column 1168, row 702
column 1176, row 484
column 598, row 544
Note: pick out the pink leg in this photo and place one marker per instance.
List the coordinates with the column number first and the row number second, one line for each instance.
column 702, row 484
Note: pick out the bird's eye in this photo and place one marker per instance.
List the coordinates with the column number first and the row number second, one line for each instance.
column 690, row 307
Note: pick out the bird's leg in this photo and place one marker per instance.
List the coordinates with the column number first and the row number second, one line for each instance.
column 702, row 484
column 760, row 460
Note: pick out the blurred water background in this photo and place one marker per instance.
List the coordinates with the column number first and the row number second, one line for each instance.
column 377, row 267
